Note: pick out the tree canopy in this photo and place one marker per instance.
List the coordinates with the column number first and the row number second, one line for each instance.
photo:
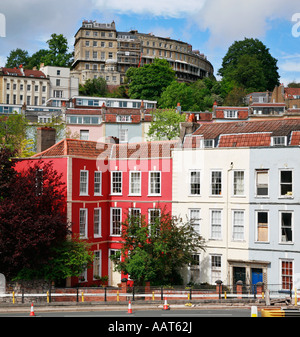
column 149, row 81
column 33, row 223
column 157, row 251
column 165, row 124
column 56, row 55
column 94, row 87
column 249, row 64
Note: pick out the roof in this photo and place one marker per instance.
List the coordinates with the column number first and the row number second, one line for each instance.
column 90, row 149
column 23, row 72
column 75, row 147
column 253, row 130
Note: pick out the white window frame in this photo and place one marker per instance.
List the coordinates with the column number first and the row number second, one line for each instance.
column 236, row 226
column 198, row 172
column 86, row 190
column 212, row 225
column 116, row 182
column 279, row 141
column 257, row 171
column 280, row 227
column 256, row 227
column 139, row 192
column 83, row 235
column 196, row 222
column 230, row 114
column 215, row 270
column 97, row 234
column 212, row 183
column 112, row 209
column 97, row 260
column 289, row 195
column 151, row 185
column 235, row 187
column 98, row 183
column 280, row 271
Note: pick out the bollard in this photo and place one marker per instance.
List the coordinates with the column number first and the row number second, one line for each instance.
column 118, row 297
column 263, row 295
column 153, row 296
column 225, row 295
column 13, row 294
column 253, row 311
column 296, row 302
column 47, row 296
column 82, row 297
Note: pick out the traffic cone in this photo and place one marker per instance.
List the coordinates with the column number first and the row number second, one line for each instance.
column 31, row 310
column 166, row 305
column 129, row 308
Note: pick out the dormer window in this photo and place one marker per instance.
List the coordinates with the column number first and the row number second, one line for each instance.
column 124, row 118
column 230, row 114
column 279, row 141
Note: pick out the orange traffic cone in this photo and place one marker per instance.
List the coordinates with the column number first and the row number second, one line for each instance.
column 166, row 305
column 31, row 310
column 129, row 308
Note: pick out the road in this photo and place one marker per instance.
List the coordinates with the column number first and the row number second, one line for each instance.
column 178, row 313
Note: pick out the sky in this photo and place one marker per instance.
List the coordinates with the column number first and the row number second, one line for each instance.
column 210, row 26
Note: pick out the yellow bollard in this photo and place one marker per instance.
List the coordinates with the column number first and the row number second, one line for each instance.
column 262, row 295
column 188, row 296
column 13, row 297
column 82, row 297
column 47, row 296
column 153, row 296
column 225, row 295
column 118, row 297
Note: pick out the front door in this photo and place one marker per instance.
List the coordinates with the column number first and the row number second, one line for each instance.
column 114, row 276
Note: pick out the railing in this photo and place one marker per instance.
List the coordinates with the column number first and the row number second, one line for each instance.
column 220, row 293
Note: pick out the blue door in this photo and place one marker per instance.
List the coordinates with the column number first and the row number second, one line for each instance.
column 257, row 276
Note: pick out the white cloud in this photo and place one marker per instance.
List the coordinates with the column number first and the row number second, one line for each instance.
column 290, row 66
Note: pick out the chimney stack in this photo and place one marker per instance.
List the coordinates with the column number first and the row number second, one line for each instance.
column 45, row 138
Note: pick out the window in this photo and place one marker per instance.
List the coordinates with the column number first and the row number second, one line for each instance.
column 58, row 82
column 123, row 118
column 238, row 183
column 286, row 227
column 83, row 223
column 116, row 182
column 286, row 183
column 195, row 219
column 278, row 141
column 216, row 182
column 209, row 143
column 230, row 114
column 135, row 213
column 262, row 226
column 97, row 222
column 115, row 225
column 195, row 182
column 215, row 268
column 154, row 182
column 97, row 182
column 39, row 182
column 216, row 226
column 84, row 134
column 262, row 183
column 97, row 264
column 153, row 219
column 123, row 135
column 238, row 225
column 286, row 274
column 83, row 182
column 135, row 183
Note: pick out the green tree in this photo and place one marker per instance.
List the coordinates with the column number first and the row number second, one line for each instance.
column 16, row 58
column 165, row 124
column 58, row 52
column 37, row 58
column 254, row 55
column 13, row 134
column 156, row 252
column 148, row 82
column 178, row 93
column 94, row 87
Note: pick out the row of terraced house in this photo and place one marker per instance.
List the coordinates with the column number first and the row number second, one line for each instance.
column 237, row 180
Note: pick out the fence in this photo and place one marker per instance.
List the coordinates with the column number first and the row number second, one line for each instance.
column 219, row 293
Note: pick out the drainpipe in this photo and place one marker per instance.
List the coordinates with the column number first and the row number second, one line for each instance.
column 227, row 219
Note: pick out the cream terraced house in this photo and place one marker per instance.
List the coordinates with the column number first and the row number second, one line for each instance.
column 23, row 86
column 100, row 50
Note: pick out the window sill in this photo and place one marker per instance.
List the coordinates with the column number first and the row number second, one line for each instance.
column 154, row 195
